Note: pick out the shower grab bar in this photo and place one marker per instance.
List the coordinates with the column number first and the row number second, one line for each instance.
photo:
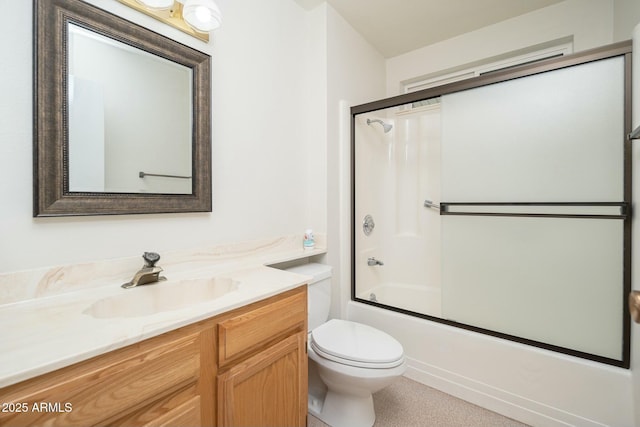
column 430, row 204
column 143, row 174
column 446, row 209
column 635, row 134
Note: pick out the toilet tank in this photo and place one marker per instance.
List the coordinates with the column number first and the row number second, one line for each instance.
column 319, row 291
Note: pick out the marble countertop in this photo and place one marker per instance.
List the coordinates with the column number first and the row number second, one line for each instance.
column 57, row 329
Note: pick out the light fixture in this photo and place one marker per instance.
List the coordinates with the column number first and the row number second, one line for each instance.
column 203, row 15
column 194, row 17
column 157, row 4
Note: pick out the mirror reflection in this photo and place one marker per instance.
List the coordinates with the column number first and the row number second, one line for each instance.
column 130, row 118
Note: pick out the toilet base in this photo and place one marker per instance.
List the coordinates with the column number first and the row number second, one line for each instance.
column 342, row 410
column 342, row 395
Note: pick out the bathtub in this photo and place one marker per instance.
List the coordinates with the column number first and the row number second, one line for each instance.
column 529, row 384
column 416, row 298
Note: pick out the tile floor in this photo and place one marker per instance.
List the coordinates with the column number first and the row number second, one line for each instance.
column 407, row 403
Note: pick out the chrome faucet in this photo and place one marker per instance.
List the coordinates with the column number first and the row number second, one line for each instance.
column 149, row 273
column 372, row 261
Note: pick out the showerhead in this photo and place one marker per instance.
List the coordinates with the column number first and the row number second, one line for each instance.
column 386, row 127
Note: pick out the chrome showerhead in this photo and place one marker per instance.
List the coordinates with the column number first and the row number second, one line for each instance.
column 386, row 127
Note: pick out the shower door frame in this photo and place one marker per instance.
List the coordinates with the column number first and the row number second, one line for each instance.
column 621, row 49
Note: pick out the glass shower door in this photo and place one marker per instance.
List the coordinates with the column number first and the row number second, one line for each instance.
column 534, row 211
column 502, row 204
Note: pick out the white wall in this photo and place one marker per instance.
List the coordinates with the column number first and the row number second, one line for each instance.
column 588, row 22
column 355, row 75
column 261, row 137
column 316, row 149
column 626, row 15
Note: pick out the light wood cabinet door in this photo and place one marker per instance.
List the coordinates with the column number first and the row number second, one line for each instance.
column 150, row 383
column 268, row 389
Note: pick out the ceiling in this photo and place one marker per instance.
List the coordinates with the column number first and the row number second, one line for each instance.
column 394, row 27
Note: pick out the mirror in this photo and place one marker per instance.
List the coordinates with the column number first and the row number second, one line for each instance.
column 122, row 116
column 113, row 90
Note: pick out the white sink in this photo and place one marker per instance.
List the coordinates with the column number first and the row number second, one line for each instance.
column 162, row 296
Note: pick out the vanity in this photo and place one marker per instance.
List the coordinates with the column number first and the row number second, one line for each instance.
column 245, row 367
column 237, row 357
column 221, row 341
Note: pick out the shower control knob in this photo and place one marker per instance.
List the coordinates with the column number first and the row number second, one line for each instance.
column 368, row 225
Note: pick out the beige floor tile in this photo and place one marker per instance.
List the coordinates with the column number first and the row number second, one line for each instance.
column 407, row 403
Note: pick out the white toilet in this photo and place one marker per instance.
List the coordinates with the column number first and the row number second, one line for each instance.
column 348, row 361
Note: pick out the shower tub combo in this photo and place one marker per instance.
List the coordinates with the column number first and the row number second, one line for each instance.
column 503, row 284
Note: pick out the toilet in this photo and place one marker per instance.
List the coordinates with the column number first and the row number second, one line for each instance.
column 348, row 361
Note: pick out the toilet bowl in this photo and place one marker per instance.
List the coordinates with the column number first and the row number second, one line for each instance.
column 354, row 361
column 348, row 361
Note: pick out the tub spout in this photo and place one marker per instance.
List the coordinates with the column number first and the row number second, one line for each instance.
column 372, row 261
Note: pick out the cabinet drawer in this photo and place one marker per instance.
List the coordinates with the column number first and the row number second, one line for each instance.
column 106, row 387
column 185, row 415
column 180, row 408
column 246, row 332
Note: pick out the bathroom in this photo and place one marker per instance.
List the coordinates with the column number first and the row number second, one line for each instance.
column 280, row 165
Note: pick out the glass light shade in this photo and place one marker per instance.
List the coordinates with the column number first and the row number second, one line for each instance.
column 202, row 15
column 156, row 4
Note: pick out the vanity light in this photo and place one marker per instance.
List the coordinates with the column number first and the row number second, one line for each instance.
column 203, row 15
column 194, row 17
column 157, row 4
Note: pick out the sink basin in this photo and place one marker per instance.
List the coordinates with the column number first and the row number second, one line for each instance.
column 159, row 297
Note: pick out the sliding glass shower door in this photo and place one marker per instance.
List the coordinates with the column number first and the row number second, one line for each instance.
column 501, row 204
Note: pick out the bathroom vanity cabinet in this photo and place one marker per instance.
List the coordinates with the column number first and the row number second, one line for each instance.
column 262, row 365
column 244, row 367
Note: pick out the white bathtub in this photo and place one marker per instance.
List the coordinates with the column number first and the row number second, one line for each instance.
column 532, row 385
column 417, row 298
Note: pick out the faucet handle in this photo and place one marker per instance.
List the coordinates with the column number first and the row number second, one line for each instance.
column 150, row 258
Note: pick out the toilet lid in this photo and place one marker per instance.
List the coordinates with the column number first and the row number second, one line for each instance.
column 356, row 344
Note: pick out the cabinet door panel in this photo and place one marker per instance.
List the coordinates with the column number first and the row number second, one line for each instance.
column 268, row 389
column 241, row 334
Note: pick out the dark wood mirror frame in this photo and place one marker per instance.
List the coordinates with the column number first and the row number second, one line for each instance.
column 50, row 119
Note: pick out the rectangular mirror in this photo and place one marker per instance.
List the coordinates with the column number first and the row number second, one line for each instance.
column 122, row 116
column 113, row 91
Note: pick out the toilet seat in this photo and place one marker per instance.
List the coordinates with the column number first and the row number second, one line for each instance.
column 357, row 345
